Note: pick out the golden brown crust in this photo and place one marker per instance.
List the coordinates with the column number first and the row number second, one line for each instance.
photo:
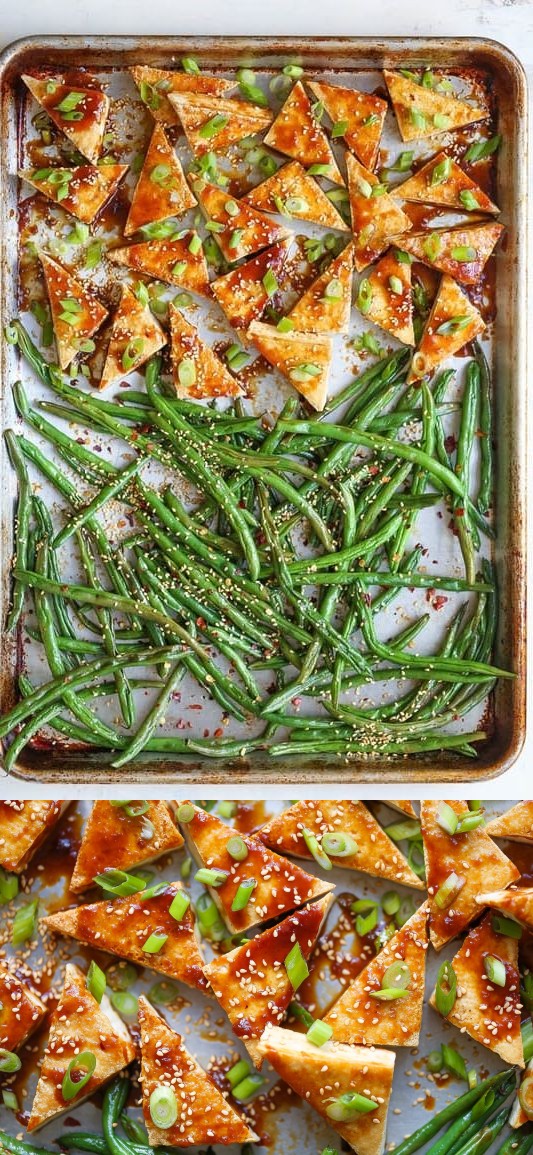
column 21, row 1010
column 135, row 334
column 452, row 323
column 211, row 378
column 168, row 260
column 245, row 231
column 516, row 902
column 375, row 219
column 318, row 312
column 294, row 193
column 516, row 823
column 297, row 133
column 364, row 115
column 391, row 301
column 428, row 185
column 291, row 353
column 446, row 249
column 421, row 112
column 83, row 321
column 241, row 292
column 24, row 825
column 89, row 187
column 83, row 118
column 161, row 190
column 238, row 119
column 111, row 836
column 161, row 81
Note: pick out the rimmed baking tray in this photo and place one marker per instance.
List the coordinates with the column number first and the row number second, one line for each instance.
column 505, row 75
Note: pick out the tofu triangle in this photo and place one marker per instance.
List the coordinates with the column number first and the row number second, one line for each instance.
column 516, row 823
column 422, row 112
column 517, row 903
column 472, row 856
column 326, row 305
column 212, row 123
column 489, row 1013
column 22, row 1009
column 161, row 190
column 204, row 1115
column 242, row 230
column 197, row 371
column 121, row 926
column 155, row 84
column 241, row 293
column 361, row 114
column 453, row 322
column 293, row 193
column 403, row 805
column 111, row 835
column 81, row 191
column 376, row 854
column 296, row 132
column 169, row 260
column 321, row 1075
column 24, row 827
column 80, row 113
column 303, row 358
column 460, row 252
column 251, row 982
column 76, row 312
column 376, row 219
column 135, row 335
column 79, row 1024
column 281, row 886
column 390, row 297
column 360, row 1017
column 441, row 181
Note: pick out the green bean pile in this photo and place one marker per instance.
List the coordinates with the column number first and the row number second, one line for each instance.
column 266, row 588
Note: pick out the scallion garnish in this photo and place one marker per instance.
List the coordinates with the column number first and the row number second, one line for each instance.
column 311, row 840
column 481, row 149
column 417, row 118
column 119, row 882
column 195, row 244
column 285, row 325
column 132, row 353
column 124, row 1003
column 446, row 988
column 440, row 120
column 366, row 912
column 364, row 296
column 396, row 286
column 319, row 1033
column 213, row 126
column 163, row 1107
column 121, row 977
column 295, row 71
column 339, row 845
column 447, row 819
column 250, row 89
column 390, row 903
column 248, row 1087
column 319, row 170
column 470, row 822
column 441, row 171
column 154, row 943
column 211, row 876
column 340, row 128
column 404, row 831
column 244, row 894
column 10, row 1100
column 495, row 970
column 448, row 891
column 96, row 982
column 187, row 372
column 301, row 1013
column 238, row 1072
column 270, row 283
column 432, row 246
column 9, row 886
column 296, row 966
column 453, row 325
column 164, row 993
column 211, row 924
column 346, row 1107
column 454, row 1062
column 9, row 1062
column 24, row 923
column 190, row 65
column 77, row 1075
column 508, row 926
column 526, row 1030
column 237, row 848
column 179, row 905
column 303, row 373
column 464, row 253
column 435, row 1062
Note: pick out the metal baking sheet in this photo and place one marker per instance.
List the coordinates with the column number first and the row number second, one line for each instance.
column 285, row 1123
column 490, row 68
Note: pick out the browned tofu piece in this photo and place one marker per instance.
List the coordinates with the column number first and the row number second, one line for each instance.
column 154, row 84
column 80, row 113
column 196, row 370
column 361, row 115
column 389, row 302
column 460, row 252
column 326, row 305
column 168, row 260
column 161, row 190
column 376, row 217
column 303, row 358
column 122, row 926
column 213, row 123
column 79, row 1024
column 516, row 823
column 320, row 1075
column 23, row 827
column 516, row 902
column 21, row 1010
column 296, row 132
column 113, row 838
column 81, row 191
column 376, row 854
column 251, row 982
column 241, row 293
column 361, row 1016
column 281, row 886
column 453, row 322
column 76, row 312
column 135, row 337
column 293, row 193
column 473, row 857
column 422, row 112
column 242, row 230
column 489, row 1013
column 403, row 805
column 203, row 1114
column 441, row 181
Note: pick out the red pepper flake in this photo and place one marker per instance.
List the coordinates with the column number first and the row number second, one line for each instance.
column 439, row 601
column 200, row 623
column 206, row 733
column 218, row 733
column 429, row 594
column 97, row 448
column 450, row 443
column 373, row 469
column 195, row 706
column 296, row 702
column 459, row 511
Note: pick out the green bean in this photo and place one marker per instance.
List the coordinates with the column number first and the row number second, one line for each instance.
column 484, row 497
column 107, row 492
column 146, row 729
column 452, row 1110
column 22, row 523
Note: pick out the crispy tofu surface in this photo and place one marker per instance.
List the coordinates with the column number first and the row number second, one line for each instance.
column 516, row 902
column 196, row 370
column 391, row 301
column 112, row 836
column 293, row 193
column 213, row 123
column 460, row 252
column 360, row 114
column 154, row 84
column 161, row 190
column 516, row 823
column 21, row 1010
column 76, row 312
column 241, row 293
column 376, row 219
column 85, row 190
column 453, row 322
column 24, row 825
column 422, row 112
column 296, row 132
column 169, row 260
column 326, row 305
column 441, row 181
column 303, row 358
column 245, row 230
column 80, row 113
column 135, row 337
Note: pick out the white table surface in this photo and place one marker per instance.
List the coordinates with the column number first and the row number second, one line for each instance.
column 509, row 21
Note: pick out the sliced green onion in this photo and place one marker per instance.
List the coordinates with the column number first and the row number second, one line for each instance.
column 296, row 966
column 121, row 976
column 468, row 200
column 481, row 149
column 179, row 905
column 244, row 894
column 238, row 1072
column 9, row 1062
column 136, row 809
column 319, row 170
column 24, row 923
column 132, row 352
column 397, row 975
column 96, row 981
column 319, row 1033
column 10, row 1100
column 237, row 848
column 296, row 204
column 526, row 1029
column 364, row 188
column 417, row 118
column 446, row 988
column 228, row 809
column 495, row 970
column 364, row 296
column 314, row 848
column 163, row 1107
column 236, row 238
column 464, row 253
column 334, row 290
column 432, row 246
column 441, row 171
column 9, row 886
column 154, row 943
column 470, row 822
column 447, row 818
column 270, row 283
column 195, row 244
column 301, row 1013
column 186, row 867
column 185, row 812
column 366, row 913
column 339, row 845
column 396, row 286
column 187, row 372
column 211, row 924
column 508, row 926
column 118, row 882
column 295, row 71
column 454, row 324
column 348, row 1106
column 211, row 876
column 403, row 831
column 525, row 1095
column 454, row 1062
column 388, row 994
column 213, row 126
column 285, row 325
column 124, row 1003
column 77, row 1075
column 390, row 903
column 303, row 373
column 190, row 65
column 248, row 1087
column 340, row 128
column 164, row 993
column 152, row 891
column 435, row 1062
column 440, row 120
column 448, row 891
